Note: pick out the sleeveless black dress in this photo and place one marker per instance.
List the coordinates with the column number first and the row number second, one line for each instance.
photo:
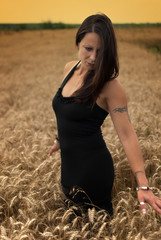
column 85, row 159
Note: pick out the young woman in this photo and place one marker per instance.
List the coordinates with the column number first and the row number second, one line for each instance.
column 90, row 91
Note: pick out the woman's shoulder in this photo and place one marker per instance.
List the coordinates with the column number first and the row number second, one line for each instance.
column 111, row 95
column 113, row 89
column 68, row 67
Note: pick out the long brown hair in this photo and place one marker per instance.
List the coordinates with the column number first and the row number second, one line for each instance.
column 106, row 65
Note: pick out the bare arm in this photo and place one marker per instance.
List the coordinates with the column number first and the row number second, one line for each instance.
column 56, row 146
column 117, row 107
column 129, row 140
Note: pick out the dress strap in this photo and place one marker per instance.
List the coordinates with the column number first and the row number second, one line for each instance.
column 69, row 75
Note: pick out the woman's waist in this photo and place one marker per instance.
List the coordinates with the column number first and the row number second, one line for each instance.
column 87, row 141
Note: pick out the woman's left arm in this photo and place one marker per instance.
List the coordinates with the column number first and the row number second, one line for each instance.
column 117, row 107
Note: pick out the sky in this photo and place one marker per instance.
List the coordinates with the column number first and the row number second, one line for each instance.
column 75, row 11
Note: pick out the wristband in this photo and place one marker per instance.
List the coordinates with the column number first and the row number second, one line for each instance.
column 144, row 188
column 57, row 139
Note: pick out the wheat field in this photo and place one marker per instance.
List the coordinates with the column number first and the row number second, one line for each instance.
column 31, row 199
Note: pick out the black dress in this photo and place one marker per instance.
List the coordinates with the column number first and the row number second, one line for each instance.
column 85, row 159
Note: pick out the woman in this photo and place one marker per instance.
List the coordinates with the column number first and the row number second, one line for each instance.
column 90, row 91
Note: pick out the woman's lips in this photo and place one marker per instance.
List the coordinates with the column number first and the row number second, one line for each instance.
column 91, row 64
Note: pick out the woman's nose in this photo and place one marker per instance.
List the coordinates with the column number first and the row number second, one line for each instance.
column 93, row 56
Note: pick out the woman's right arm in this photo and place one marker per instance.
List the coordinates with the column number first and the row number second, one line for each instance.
column 55, row 147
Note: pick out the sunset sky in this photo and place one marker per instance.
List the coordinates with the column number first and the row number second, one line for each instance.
column 74, row 11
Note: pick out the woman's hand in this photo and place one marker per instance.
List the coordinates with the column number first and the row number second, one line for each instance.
column 54, row 148
column 147, row 196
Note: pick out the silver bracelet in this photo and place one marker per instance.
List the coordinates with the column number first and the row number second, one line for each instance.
column 56, row 141
column 57, row 138
column 144, row 188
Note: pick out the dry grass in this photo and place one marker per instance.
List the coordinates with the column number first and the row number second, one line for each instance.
column 31, row 199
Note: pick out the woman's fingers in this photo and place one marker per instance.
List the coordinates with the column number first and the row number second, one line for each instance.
column 151, row 199
column 51, row 151
column 54, row 148
column 157, row 205
column 141, row 199
column 143, row 207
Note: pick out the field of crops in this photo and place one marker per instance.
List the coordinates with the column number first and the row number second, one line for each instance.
column 31, row 199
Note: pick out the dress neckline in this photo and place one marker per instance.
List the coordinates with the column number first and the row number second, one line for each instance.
column 71, row 99
column 69, row 75
column 62, row 98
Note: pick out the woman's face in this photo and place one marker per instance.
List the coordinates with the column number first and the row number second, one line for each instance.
column 88, row 50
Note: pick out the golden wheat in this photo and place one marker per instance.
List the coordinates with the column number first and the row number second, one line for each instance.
column 31, row 199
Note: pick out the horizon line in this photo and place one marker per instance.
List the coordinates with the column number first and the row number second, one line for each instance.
column 48, row 21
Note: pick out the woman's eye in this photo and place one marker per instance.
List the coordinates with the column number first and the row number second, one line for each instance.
column 88, row 49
